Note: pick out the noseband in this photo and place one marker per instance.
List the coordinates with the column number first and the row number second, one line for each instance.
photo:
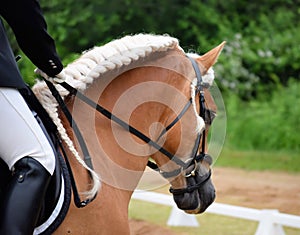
column 193, row 161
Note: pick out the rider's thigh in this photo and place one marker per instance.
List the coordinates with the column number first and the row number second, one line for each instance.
column 20, row 133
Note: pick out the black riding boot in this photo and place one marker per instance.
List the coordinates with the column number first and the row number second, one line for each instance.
column 22, row 202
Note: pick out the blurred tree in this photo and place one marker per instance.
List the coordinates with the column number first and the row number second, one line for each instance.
column 263, row 36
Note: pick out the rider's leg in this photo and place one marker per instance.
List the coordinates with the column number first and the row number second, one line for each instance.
column 23, row 197
column 20, row 133
column 27, row 152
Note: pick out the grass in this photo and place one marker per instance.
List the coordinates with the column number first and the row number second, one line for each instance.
column 260, row 160
column 209, row 223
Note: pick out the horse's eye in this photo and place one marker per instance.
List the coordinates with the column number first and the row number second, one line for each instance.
column 209, row 116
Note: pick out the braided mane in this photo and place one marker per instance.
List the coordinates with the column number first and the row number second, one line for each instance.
column 121, row 52
column 93, row 64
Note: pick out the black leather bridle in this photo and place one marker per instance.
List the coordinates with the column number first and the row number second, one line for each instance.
column 195, row 157
column 183, row 166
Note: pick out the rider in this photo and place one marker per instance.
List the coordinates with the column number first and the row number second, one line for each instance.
column 23, row 145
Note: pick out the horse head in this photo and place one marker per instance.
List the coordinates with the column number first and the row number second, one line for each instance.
column 189, row 170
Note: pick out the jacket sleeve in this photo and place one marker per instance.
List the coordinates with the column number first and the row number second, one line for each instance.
column 30, row 28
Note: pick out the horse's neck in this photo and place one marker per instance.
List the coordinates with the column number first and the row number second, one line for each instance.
column 147, row 92
column 107, row 161
column 117, row 167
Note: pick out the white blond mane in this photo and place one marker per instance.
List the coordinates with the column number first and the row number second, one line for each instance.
column 93, row 64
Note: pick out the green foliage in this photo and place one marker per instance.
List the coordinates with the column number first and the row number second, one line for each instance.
column 263, row 45
column 262, row 50
column 272, row 124
column 79, row 25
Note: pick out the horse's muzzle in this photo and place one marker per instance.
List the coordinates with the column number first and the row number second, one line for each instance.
column 197, row 196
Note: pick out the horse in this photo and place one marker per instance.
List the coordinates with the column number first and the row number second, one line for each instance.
column 149, row 83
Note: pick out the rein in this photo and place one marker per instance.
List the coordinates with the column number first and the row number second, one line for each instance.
column 87, row 159
column 183, row 165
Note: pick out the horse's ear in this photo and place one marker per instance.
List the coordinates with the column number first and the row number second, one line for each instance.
column 210, row 58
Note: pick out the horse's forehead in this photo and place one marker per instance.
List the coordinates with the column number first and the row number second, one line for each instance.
column 173, row 60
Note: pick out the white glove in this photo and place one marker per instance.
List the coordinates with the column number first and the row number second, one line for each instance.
column 59, row 78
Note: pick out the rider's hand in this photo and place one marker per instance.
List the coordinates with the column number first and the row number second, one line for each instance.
column 59, row 78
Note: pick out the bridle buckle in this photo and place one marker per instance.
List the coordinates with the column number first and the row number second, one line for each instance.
column 193, row 172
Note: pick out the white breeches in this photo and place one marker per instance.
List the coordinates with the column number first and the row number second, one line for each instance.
column 20, row 134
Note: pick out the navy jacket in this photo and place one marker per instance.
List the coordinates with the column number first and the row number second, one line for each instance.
column 29, row 26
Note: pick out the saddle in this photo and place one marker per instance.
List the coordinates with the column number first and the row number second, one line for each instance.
column 58, row 196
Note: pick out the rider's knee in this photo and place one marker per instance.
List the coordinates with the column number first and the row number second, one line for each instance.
column 47, row 159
